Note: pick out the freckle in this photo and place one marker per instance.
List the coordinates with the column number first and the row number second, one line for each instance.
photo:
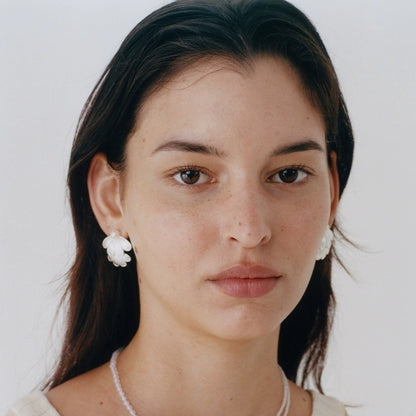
column 144, row 140
column 239, row 223
column 101, row 403
column 231, row 399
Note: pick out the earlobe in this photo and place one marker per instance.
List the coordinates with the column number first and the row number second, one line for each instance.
column 334, row 180
column 104, row 192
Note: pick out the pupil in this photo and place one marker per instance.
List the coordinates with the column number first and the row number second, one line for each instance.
column 288, row 175
column 190, row 176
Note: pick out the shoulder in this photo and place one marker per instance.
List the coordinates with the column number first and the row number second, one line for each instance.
column 326, row 406
column 34, row 404
column 88, row 394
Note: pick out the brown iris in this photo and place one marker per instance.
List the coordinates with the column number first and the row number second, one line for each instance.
column 190, row 177
column 289, row 175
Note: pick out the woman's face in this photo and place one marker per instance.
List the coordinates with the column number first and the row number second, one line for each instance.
column 225, row 197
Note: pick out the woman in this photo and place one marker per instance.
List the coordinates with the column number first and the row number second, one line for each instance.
column 204, row 182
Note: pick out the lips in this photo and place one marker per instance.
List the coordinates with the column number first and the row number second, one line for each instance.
column 243, row 281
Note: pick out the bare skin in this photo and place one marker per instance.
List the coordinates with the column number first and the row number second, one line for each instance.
column 93, row 393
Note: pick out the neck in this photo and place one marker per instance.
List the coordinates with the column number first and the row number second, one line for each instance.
column 168, row 372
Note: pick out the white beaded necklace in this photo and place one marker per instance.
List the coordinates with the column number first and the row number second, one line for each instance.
column 283, row 411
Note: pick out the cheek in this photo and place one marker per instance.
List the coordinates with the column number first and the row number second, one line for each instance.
column 295, row 249
column 301, row 234
column 304, row 228
column 167, row 239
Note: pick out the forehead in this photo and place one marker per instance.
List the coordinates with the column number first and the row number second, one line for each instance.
column 220, row 94
column 213, row 69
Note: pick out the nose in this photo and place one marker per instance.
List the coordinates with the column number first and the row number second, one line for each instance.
column 246, row 220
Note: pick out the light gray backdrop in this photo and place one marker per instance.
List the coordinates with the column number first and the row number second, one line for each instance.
column 51, row 54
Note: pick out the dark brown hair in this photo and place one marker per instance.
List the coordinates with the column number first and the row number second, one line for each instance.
column 103, row 301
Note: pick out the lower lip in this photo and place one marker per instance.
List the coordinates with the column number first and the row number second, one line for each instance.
column 246, row 288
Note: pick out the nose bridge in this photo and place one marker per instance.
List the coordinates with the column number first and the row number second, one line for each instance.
column 247, row 220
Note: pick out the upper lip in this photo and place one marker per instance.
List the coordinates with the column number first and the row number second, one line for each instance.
column 241, row 271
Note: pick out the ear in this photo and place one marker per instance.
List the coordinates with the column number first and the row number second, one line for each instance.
column 334, row 183
column 104, row 191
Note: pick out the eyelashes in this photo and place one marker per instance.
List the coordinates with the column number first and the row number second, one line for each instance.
column 290, row 175
column 191, row 175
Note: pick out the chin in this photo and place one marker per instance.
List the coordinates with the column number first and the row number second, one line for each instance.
column 247, row 323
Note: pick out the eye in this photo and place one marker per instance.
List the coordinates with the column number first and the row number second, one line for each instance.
column 190, row 176
column 289, row 175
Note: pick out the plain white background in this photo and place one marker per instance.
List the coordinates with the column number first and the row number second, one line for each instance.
column 51, row 54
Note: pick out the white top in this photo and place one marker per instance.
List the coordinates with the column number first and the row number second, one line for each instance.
column 36, row 404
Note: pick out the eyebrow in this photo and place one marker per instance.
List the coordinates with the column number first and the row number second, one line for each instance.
column 193, row 147
column 188, row 146
column 297, row 147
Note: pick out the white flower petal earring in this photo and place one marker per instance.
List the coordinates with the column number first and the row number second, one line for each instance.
column 326, row 244
column 116, row 247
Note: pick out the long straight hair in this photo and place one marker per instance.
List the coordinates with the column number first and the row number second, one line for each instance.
column 103, row 306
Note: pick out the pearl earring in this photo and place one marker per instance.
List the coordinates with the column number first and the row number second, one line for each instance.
column 116, row 246
column 326, row 244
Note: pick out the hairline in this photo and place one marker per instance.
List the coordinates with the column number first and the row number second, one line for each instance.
column 242, row 64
